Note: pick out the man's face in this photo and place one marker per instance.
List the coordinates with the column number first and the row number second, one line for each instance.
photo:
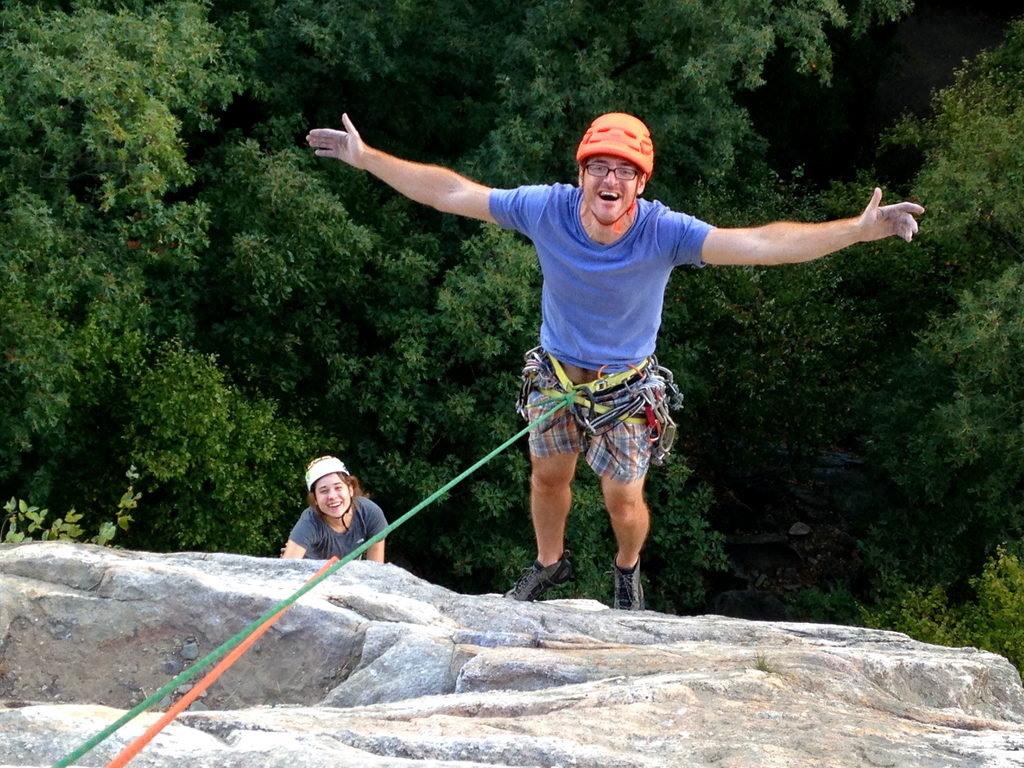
column 608, row 197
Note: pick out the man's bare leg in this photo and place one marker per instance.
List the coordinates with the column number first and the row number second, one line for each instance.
column 630, row 518
column 550, row 500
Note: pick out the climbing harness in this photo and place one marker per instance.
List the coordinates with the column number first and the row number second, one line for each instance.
column 652, row 388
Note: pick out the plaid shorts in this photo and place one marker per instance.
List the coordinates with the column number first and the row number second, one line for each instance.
column 620, row 452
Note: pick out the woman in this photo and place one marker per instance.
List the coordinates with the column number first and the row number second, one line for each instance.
column 339, row 517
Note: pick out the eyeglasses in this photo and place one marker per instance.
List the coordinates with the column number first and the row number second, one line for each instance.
column 599, row 171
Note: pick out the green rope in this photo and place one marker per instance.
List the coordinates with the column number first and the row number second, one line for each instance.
column 228, row 645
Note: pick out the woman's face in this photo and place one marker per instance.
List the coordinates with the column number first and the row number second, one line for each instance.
column 333, row 495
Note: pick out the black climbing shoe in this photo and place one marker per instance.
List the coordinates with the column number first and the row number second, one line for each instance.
column 629, row 592
column 537, row 579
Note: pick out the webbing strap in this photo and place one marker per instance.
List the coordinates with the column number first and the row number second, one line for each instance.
column 597, row 408
column 601, row 383
column 268, row 617
column 581, row 393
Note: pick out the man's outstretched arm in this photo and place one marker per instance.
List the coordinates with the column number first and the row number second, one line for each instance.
column 432, row 185
column 788, row 242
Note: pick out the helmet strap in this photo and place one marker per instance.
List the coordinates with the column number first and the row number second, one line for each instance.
column 619, row 227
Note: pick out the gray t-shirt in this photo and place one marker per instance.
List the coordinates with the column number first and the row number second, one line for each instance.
column 322, row 542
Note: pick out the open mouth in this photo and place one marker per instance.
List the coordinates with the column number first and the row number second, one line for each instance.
column 610, row 197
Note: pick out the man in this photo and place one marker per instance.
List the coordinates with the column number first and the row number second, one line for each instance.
column 606, row 255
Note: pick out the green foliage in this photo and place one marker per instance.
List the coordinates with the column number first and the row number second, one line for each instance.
column 92, row 164
column 223, row 466
column 771, row 361
column 449, row 381
column 921, row 612
column 496, row 88
column 94, row 105
column 298, row 280
column 992, row 621
column 183, row 288
column 941, row 428
column 24, row 521
column 103, row 252
column 833, row 606
column 995, row 621
column 683, row 547
column 675, row 64
column 974, row 167
column 947, row 435
column 408, row 367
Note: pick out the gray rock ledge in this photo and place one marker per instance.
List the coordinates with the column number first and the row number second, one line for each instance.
column 375, row 667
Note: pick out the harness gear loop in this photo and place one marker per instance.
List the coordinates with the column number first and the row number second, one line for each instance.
column 653, row 389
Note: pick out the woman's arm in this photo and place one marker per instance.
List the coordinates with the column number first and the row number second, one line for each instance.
column 375, row 552
column 293, row 551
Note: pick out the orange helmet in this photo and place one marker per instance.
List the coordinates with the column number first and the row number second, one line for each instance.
column 621, row 135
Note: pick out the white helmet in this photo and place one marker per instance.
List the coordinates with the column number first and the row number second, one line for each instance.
column 324, row 465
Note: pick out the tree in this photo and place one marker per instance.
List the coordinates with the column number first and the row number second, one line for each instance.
column 100, row 244
column 945, row 433
column 193, row 294
column 948, row 438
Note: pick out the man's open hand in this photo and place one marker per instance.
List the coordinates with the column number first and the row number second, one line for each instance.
column 883, row 221
column 342, row 145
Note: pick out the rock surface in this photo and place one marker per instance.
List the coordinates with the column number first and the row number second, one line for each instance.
column 374, row 667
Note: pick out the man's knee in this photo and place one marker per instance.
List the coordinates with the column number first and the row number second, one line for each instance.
column 624, row 501
column 552, row 473
column 627, row 510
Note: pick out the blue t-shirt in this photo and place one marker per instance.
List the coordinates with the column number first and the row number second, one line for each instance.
column 600, row 304
column 322, row 542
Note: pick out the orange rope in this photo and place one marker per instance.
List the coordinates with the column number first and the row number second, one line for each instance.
column 136, row 746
